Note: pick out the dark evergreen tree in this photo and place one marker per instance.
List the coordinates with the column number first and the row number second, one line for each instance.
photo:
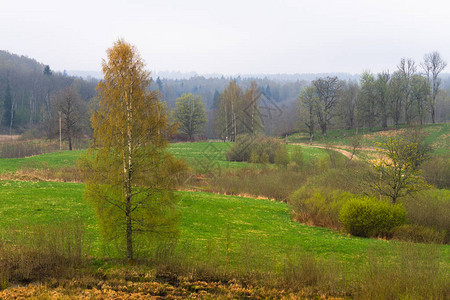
column 7, row 107
column 47, row 70
column 159, row 83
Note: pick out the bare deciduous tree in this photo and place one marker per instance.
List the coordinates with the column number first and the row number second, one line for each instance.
column 69, row 106
column 328, row 90
column 433, row 65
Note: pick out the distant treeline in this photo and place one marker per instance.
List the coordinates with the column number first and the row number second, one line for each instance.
column 26, row 90
column 32, row 97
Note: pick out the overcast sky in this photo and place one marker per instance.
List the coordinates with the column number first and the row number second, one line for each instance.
column 229, row 36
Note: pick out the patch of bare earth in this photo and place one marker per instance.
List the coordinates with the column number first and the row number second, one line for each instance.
column 9, row 138
column 155, row 290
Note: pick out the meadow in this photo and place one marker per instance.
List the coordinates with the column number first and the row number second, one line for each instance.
column 436, row 135
column 251, row 244
column 226, row 235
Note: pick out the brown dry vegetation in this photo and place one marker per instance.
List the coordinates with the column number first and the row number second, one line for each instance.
column 91, row 288
column 56, row 175
column 8, row 138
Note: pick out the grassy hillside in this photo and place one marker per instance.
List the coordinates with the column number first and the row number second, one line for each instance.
column 195, row 154
column 229, row 229
column 437, row 135
column 54, row 160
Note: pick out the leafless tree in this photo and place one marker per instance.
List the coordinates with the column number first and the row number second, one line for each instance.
column 68, row 104
column 328, row 91
column 433, row 65
column 407, row 69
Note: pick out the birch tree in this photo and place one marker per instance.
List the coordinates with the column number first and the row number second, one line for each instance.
column 128, row 174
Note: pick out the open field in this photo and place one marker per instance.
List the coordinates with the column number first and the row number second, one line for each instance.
column 209, row 222
column 437, row 135
column 223, row 238
column 54, row 160
column 195, row 154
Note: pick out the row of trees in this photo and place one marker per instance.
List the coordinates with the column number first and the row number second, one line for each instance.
column 129, row 175
column 26, row 91
column 405, row 95
column 238, row 112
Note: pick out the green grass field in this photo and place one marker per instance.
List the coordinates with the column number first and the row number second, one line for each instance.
column 232, row 229
column 437, row 135
column 222, row 234
column 196, row 155
column 54, row 160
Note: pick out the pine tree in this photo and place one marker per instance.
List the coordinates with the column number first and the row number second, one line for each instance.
column 7, row 108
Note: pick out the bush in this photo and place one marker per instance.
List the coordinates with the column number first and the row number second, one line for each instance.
column 430, row 208
column 354, row 177
column 259, row 149
column 273, row 183
column 436, row 171
column 368, row 217
column 318, row 206
column 281, row 156
column 297, row 157
column 418, row 234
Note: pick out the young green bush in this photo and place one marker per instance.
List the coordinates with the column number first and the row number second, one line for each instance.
column 297, row 158
column 318, row 206
column 273, row 183
column 431, row 209
column 281, row 156
column 353, row 178
column 418, row 234
column 369, row 217
column 436, row 171
column 257, row 149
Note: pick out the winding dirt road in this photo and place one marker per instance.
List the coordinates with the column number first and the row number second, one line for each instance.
column 346, row 153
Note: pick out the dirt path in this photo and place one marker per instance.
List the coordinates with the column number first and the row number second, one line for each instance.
column 346, row 153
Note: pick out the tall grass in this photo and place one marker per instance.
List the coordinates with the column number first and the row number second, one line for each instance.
column 415, row 273
column 430, row 209
column 26, row 148
column 36, row 252
column 272, row 183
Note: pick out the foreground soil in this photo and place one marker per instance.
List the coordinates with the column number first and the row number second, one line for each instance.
column 122, row 289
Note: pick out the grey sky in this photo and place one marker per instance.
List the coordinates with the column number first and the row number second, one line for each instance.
column 229, row 36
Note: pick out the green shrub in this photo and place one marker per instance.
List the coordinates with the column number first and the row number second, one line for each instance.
column 368, row 217
column 354, row 178
column 273, row 183
column 260, row 149
column 430, row 208
column 297, row 157
column 318, row 206
column 254, row 157
column 281, row 156
column 418, row 234
column 265, row 159
column 436, row 171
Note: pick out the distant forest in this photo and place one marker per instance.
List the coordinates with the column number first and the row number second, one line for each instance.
column 31, row 95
